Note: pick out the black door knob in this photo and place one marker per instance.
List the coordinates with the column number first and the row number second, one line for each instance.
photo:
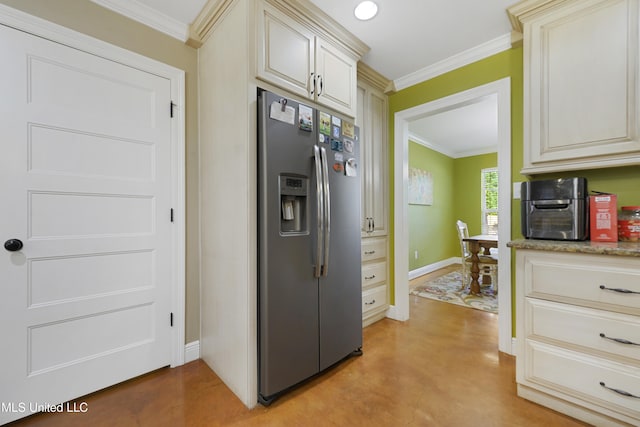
column 13, row 245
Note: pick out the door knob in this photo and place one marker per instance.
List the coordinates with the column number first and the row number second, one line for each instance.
column 13, row 245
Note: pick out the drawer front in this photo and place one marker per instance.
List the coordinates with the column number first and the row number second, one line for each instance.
column 581, row 376
column 610, row 280
column 374, row 249
column 374, row 298
column 586, row 327
column 374, row 273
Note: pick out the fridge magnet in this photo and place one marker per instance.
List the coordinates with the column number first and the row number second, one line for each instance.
column 325, row 123
column 348, row 145
column 339, row 157
column 338, row 167
column 305, row 118
column 336, row 121
column 336, row 145
column 351, row 167
column 336, row 132
column 348, row 130
column 321, row 138
column 281, row 112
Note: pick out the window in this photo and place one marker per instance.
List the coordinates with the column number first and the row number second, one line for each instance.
column 489, row 201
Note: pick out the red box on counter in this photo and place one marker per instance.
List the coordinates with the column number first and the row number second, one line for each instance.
column 603, row 217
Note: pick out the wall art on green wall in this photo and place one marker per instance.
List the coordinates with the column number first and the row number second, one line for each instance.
column 420, row 187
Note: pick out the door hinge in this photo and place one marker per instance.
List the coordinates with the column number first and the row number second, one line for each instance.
column 171, row 105
column 171, row 215
column 171, row 319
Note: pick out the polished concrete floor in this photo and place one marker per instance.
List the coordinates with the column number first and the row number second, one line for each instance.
column 440, row 368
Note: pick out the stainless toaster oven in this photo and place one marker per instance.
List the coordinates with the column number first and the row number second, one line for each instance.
column 555, row 209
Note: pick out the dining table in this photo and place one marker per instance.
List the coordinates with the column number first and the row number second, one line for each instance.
column 477, row 243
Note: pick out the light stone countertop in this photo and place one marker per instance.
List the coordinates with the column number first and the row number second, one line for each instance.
column 586, row 247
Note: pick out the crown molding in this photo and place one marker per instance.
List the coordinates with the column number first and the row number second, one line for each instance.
column 448, row 152
column 519, row 12
column 374, row 78
column 435, row 147
column 202, row 26
column 492, row 47
column 150, row 17
column 302, row 11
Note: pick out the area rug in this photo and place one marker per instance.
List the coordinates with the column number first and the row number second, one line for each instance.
column 447, row 288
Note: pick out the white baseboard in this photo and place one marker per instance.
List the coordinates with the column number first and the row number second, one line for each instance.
column 393, row 313
column 433, row 267
column 191, row 351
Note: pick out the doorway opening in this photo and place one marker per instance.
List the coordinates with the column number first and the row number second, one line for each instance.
column 501, row 88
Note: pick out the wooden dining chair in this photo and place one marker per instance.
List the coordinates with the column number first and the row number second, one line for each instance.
column 488, row 265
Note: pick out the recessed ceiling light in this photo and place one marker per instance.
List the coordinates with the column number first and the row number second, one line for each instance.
column 366, row 10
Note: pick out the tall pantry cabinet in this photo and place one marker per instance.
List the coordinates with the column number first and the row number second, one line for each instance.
column 372, row 119
column 243, row 45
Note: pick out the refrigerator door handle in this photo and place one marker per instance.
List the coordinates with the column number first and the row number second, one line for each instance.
column 320, row 210
column 327, row 211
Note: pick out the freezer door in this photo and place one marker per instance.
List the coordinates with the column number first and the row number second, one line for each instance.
column 288, row 315
column 341, row 290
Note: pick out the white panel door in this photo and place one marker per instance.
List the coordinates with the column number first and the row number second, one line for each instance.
column 85, row 184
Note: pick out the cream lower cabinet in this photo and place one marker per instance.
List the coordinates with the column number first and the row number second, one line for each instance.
column 581, row 76
column 578, row 333
column 295, row 58
column 375, row 289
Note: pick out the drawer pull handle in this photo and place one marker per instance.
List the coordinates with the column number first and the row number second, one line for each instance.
column 622, row 291
column 622, row 392
column 369, row 252
column 370, row 303
column 370, row 277
column 619, row 340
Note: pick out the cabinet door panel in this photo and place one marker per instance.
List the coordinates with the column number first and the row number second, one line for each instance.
column 336, row 78
column 581, row 82
column 365, row 162
column 285, row 52
column 583, row 279
column 582, row 376
column 372, row 117
column 584, row 327
column 378, row 149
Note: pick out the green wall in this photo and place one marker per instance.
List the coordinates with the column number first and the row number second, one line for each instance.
column 468, row 197
column 623, row 181
column 496, row 67
column 429, row 233
column 456, row 195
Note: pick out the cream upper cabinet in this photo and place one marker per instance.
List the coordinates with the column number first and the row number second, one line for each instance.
column 372, row 119
column 336, row 79
column 581, row 80
column 293, row 57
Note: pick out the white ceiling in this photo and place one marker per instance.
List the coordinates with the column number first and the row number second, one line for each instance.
column 410, row 41
column 465, row 130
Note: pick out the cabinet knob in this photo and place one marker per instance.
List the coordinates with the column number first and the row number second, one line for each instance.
column 13, row 245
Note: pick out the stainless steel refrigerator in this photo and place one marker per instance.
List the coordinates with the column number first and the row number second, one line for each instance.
column 309, row 291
